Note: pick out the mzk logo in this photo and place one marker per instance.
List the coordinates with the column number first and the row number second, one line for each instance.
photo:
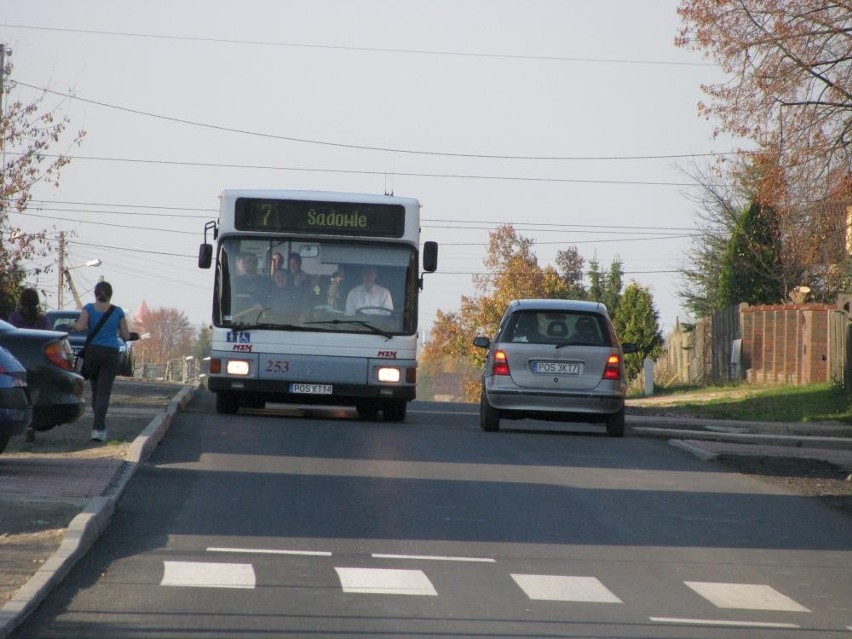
column 387, row 354
column 239, row 337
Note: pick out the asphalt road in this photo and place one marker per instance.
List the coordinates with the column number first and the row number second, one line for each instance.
column 285, row 524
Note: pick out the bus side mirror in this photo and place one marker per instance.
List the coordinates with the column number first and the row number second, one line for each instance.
column 430, row 257
column 205, row 255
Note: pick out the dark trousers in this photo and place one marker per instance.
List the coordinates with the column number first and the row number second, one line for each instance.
column 102, row 366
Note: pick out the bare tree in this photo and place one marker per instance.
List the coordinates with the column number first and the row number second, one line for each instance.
column 27, row 133
column 790, row 86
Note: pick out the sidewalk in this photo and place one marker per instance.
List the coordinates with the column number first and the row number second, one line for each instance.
column 58, row 494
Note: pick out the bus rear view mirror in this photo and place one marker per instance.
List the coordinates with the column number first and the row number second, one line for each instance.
column 205, row 255
column 430, row 256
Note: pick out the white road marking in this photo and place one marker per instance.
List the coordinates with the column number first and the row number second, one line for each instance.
column 722, row 622
column 384, row 581
column 376, row 555
column 197, row 574
column 745, row 596
column 558, row 588
column 265, row 551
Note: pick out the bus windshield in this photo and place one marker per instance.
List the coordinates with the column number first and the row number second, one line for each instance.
column 328, row 285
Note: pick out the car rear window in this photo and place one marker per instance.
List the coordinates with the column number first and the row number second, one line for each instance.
column 560, row 327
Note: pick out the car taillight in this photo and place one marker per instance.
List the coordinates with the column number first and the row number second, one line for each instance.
column 501, row 364
column 613, row 368
column 58, row 356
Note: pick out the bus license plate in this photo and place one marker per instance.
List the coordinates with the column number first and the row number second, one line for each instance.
column 311, row 389
column 556, row 368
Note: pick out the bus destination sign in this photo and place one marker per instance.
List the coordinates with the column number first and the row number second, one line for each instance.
column 325, row 218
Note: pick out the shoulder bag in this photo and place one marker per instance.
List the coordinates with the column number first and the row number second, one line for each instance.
column 80, row 360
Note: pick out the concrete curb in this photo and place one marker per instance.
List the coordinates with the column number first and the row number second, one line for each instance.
column 701, row 453
column 796, row 441
column 85, row 529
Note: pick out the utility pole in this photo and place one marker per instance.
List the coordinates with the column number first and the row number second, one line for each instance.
column 61, row 271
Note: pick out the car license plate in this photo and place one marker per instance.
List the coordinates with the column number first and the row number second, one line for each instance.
column 556, row 368
column 311, row 389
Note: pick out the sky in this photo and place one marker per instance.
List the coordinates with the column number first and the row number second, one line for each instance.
column 575, row 121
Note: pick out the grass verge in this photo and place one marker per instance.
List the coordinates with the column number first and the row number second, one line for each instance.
column 813, row 403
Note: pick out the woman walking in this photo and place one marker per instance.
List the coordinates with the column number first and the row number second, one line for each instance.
column 103, row 322
column 28, row 314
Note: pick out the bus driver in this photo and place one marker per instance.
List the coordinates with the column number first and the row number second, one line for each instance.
column 369, row 295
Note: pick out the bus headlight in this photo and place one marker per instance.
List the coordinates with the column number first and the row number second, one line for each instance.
column 237, row 367
column 389, row 375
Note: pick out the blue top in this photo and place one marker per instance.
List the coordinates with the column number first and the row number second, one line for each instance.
column 108, row 333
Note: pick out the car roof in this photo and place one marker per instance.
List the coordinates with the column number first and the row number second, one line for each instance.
column 556, row 305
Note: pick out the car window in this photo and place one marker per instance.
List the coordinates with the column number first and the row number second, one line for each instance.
column 549, row 327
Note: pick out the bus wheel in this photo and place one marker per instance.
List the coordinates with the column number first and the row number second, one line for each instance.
column 227, row 403
column 367, row 412
column 394, row 410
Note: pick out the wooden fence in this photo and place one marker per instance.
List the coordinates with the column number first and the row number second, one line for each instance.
column 785, row 344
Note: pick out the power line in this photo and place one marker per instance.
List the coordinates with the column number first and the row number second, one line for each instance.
column 651, row 231
column 361, row 147
column 460, row 176
column 303, row 45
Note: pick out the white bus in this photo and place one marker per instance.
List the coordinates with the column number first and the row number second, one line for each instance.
column 315, row 300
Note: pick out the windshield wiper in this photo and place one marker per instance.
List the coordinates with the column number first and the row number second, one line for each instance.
column 262, row 325
column 367, row 325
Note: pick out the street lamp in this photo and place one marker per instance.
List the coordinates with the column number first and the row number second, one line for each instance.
column 66, row 275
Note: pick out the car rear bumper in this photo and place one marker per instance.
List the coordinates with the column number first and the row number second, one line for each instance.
column 45, row 417
column 16, row 414
column 567, row 403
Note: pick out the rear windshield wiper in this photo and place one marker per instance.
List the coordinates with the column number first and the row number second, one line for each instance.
column 367, row 325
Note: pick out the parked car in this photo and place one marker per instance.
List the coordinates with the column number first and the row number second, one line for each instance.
column 58, row 321
column 554, row 360
column 55, row 390
column 16, row 410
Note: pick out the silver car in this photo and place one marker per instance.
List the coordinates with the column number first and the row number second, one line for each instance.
column 554, row 360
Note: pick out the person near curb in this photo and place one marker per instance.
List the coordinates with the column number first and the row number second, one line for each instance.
column 28, row 314
column 102, row 354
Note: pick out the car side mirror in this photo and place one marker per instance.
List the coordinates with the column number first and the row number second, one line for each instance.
column 133, row 336
column 481, row 341
column 629, row 347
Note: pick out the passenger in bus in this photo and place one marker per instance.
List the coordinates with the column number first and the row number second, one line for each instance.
column 248, row 281
column 369, row 297
column 283, row 298
column 334, row 291
column 297, row 276
column 275, row 262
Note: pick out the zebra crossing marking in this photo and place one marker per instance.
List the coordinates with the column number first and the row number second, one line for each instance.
column 563, row 588
column 385, row 581
column 199, row 574
column 745, row 596
column 722, row 622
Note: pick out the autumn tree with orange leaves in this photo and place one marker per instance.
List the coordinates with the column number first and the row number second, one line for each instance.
column 169, row 336
column 790, row 84
column 513, row 273
column 789, row 93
